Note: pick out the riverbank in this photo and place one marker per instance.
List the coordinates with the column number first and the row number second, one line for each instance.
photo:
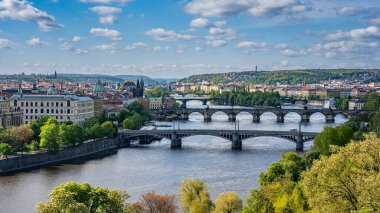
column 29, row 161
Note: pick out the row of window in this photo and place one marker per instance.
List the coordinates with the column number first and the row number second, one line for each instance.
column 47, row 111
column 42, row 103
column 36, row 117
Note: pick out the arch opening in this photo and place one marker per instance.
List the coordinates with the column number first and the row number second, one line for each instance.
column 196, row 116
column 268, row 116
column 292, row 117
column 244, row 116
column 219, row 116
column 317, row 117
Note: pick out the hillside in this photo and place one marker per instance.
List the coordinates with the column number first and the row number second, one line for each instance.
column 287, row 76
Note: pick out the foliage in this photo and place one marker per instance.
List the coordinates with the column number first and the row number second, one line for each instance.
column 194, row 196
column 102, row 117
column 341, row 103
column 70, row 135
column 340, row 136
column 373, row 101
column 176, row 105
column 133, row 122
column 5, row 149
column 244, row 98
column 95, row 132
column 346, row 181
column 374, row 122
column 109, row 129
column 74, row 197
column 37, row 125
column 21, row 135
column 90, row 122
column 228, row 202
column 152, row 202
column 50, row 135
column 136, row 106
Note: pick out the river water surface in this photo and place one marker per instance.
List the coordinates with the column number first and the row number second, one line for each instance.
column 156, row 167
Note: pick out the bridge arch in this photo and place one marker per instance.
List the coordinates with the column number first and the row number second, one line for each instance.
column 317, row 117
column 268, row 116
column 196, row 115
column 293, row 116
column 244, row 115
column 219, row 115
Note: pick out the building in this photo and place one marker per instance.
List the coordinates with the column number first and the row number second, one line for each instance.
column 356, row 104
column 61, row 107
column 9, row 117
column 329, row 104
column 169, row 102
column 99, row 89
column 155, row 103
column 138, row 91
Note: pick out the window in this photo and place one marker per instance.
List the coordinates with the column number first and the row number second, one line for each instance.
column 26, row 111
column 52, row 103
column 31, row 103
column 56, row 103
column 42, row 110
column 35, row 117
column 22, row 103
column 68, row 103
column 68, row 117
column 26, row 103
column 47, row 111
column 68, row 111
column 15, row 103
column 36, row 103
column 56, row 117
column 27, row 117
column 61, row 111
column 56, row 111
column 47, row 104
column 61, row 117
column 35, row 111
column 42, row 104
column 61, row 104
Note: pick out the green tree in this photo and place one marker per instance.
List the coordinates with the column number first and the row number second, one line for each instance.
column 346, row 181
column 228, row 202
column 102, row 117
column 21, row 136
column 332, row 136
column 133, row 122
column 71, row 134
column 194, row 196
column 122, row 115
column 37, row 125
column 109, row 129
column 5, row 149
column 95, row 132
column 73, row 198
column 136, row 106
column 90, row 122
column 50, row 135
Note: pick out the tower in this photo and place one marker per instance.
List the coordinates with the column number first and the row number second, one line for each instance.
column 20, row 87
column 55, row 74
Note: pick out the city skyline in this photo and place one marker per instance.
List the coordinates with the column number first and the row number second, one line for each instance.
column 180, row 38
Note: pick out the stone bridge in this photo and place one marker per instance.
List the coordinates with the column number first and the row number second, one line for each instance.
column 204, row 100
column 280, row 113
column 235, row 136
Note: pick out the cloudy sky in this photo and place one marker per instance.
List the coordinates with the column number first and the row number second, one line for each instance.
column 177, row 38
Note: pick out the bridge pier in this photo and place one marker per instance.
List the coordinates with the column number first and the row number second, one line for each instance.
column 231, row 117
column 236, row 142
column 305, row 118
column 184, row 116
column 176, row 143
column 299, row 143
column 204, row 102
column 330, row 118
column 280, row 118
column 256, row 118
column 206, row 117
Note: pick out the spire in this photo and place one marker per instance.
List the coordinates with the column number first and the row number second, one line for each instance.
column 20, row 87
column 142, row 83
column 138, row 84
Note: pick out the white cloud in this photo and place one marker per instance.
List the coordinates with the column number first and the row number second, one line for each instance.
column 137, row 45
column 105, row 32
column 76, row 38
column 218, row 8
column 161, row 34
column 36, row 41
column 215, row 33
column 105, row 10
column 281, row 46
column 216, row 43
column 293, row 53
column 357, row 34
column 284, row 63
column 107, row 19
column 106, row 1
column 66, row 46
column 159, row 48
column 80, row 51
column 5, row 43
column 250, row 45
column 23, row 10
column 110, row 48
column 375, row 21
column 200, row 23
column 181, row 49
column 198, row 49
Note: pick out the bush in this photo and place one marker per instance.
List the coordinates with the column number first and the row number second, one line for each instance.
column 5, row 149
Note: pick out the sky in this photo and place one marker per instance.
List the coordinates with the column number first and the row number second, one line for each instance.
column 179, row 38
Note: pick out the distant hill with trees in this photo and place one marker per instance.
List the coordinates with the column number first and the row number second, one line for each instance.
column 287, row 76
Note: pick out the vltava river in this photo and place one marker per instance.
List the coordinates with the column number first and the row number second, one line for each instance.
column 156, row 167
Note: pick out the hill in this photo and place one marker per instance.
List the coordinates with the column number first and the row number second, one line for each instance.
column 287, row 76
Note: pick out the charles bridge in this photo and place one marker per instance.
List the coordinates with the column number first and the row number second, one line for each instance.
column 280, row 113
column 235, row 136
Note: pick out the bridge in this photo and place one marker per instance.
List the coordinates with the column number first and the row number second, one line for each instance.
column 280, row 113
column 235, row 136
column 204, row 100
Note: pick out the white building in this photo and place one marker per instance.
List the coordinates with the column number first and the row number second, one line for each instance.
column 61, row 107
column 356, row 104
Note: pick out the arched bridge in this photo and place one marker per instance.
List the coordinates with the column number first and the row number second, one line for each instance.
column 204, row 100
column 235, row 136
column 280, row 113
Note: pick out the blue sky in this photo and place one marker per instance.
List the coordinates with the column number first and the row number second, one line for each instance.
column 178, row 38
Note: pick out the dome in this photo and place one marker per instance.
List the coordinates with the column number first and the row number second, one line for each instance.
column 99, row 87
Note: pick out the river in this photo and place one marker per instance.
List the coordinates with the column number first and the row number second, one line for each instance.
column 156, row 167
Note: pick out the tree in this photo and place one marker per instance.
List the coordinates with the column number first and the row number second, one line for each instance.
column 155, row 203
column 50, row 135
column 21, row 136
column 332, row 136
column 71, row 134
column 78, row 198
column 5, row 149
column 37, row 125
column 194, row 196
column 133, row 122
column 122, row 115
column 136, row 106
column 109, row 129
column 95, row 132
column 228, row 202
column 102, row 117
column 90, row 122
column 346, row 181
column 374, row 122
